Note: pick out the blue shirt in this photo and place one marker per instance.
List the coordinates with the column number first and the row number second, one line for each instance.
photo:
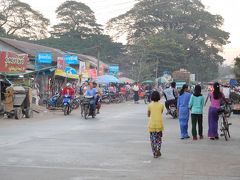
column 91, row 92
column 183, row 100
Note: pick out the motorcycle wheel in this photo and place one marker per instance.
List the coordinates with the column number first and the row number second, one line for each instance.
column 85, row 112
column 106, row 100
column 75, row 104
column 68, row 110
column 65, row 110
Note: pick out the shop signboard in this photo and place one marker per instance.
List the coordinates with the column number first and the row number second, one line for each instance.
column 192, row 77
column 71, row 59
column 13, row 62
column 60, row 63
column 82, row 67
column 92, row 73
column 113, row 69
column 44, row 57
column 70, row 70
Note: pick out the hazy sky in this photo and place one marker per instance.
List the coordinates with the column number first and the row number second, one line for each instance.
column 106, row 9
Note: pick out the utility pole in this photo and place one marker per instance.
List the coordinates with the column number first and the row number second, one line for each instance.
column 98, row 59
column 156, row 67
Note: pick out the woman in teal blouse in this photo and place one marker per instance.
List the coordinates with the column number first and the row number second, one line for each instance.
column 196, row 106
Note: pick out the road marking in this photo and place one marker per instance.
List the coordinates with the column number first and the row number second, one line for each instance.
column 70, row 168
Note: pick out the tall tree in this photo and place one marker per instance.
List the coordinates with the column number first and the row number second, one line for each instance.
column 185, row 21
column 110, row 50
column 19, row 19
column 76, row 19
column 237, row 67
column 155, row 54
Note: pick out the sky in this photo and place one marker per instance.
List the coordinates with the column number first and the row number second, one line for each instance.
column 107, row 9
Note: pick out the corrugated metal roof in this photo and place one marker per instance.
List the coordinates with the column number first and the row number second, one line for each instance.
column 32, row 49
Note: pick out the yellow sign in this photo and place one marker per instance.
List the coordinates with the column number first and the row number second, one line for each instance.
column 60, row 72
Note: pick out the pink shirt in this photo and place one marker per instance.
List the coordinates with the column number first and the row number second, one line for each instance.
column 216, row 103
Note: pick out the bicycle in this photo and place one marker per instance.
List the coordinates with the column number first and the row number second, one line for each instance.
column 224, row 124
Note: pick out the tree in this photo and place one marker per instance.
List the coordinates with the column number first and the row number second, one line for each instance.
column 19, row 19
column 186, row 22
column 110, row 51
column 155, row 54
column 76, row 19
column 237, row 67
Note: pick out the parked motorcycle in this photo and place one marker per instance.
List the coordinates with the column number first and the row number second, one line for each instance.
column 106, row 99
column 55, row 101
column 76, row 102
column 67, row 105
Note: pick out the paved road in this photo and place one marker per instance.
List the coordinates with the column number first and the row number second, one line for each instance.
column 115, row 145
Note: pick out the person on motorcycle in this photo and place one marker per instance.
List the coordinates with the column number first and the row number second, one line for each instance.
column 68, row 90
column 92, row 92
column 148, row 91
column 83, row 88
column 128, row 90
column 98, row 97
column 171, row 95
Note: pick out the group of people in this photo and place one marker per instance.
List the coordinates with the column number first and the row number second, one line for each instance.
column 89, row 89
column 187, row 104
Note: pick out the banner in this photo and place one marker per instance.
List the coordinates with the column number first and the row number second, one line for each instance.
column 92, row 73
column 44, row 58
column 13, row 62
column 60, row 63
column 71, row 59
column 113, row 69
column 82, row 67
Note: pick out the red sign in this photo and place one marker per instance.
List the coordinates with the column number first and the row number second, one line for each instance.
column 93, row 73
column 13, row 62
column 60, row 63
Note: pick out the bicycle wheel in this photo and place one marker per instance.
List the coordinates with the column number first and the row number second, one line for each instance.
column 227, row 127
column 224, row 128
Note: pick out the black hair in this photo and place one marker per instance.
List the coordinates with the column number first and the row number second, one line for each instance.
column 173, row 84
column 216, row 91
column 197, row 91
column 155, row 96
column 185, row 86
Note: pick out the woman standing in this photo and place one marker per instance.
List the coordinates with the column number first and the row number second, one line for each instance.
column 183, row 111
column 196, row 106
column 155, row 124
column 215, row 97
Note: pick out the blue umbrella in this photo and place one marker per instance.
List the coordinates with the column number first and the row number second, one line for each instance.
column 106, row 79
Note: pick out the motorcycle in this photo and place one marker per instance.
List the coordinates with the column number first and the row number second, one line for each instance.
column 55, row 101
column 106, row 98
column 147, row 98
column 67, row 105
column 86, row 107
column 76, row 102
column 173, row 111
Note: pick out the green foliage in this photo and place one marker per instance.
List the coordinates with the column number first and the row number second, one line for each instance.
column 19, row 19
column 237, row 67
column 155, row 54
column 76, row 19
column 109, row 50
column 184, row 22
